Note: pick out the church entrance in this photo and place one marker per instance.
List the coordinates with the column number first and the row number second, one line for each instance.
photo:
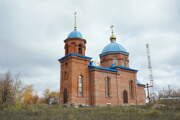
column 65, row 95
column 125, row 97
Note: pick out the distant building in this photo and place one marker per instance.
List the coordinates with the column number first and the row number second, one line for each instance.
column 111, row 83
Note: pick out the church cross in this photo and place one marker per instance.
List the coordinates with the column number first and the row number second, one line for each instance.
column 75, row 24
column 112, row 29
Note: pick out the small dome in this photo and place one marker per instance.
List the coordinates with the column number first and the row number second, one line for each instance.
column 113, row 47
column 75, row 34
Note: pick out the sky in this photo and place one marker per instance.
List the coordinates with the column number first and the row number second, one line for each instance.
column 32, row 34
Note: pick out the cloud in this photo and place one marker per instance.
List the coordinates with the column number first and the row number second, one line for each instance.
column 32, row 34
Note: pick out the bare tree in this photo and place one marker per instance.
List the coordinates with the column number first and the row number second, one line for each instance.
column 18, row 87
column 6, row 88
column 167, row 93
column 9, row 88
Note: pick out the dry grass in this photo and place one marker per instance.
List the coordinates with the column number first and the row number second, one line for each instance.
column 56, row 112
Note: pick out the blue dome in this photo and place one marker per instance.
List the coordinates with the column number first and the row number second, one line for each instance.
column 75, row 34
column 113, row 47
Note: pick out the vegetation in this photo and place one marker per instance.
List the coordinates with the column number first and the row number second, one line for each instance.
column 169, row 93
column 9, row 88
column 57, row 112
column 12, row 91
column 19, row 102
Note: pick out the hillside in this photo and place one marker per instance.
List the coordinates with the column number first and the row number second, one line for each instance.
column 158, row 111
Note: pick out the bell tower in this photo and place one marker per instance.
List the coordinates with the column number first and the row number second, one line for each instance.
column 74, row 79
column 75, row 42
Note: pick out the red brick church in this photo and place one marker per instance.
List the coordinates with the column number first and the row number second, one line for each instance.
column 113, row 82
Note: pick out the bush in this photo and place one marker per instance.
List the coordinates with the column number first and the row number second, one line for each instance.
column 15, row 107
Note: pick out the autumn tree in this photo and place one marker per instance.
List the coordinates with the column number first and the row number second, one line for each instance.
column 54, row 97
column 29, row 96
column 46, row 96
column 35, row 99
column 51, row 97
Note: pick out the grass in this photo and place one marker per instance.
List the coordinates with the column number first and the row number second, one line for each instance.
column 57, row 112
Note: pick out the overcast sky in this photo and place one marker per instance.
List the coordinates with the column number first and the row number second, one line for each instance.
column 32, row 34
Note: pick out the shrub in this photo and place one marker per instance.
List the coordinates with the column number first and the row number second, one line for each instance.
column 16, row 107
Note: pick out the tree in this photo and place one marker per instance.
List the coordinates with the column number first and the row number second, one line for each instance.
column 7, row 88
column 29, row 96
column 166, row 93
column 35, row 99
column 54, row 98
column 46, row 96
column 51, row 97
column 18, row 87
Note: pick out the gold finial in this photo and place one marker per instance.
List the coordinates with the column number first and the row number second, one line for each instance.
column 75, row 24
column 113, row 37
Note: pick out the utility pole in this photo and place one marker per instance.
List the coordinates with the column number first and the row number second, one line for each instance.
column 148, row 95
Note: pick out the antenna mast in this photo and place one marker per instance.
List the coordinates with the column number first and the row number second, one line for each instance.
column 150, row 97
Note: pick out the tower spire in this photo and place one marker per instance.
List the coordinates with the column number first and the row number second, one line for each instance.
column 112, row 37
column 75, row 24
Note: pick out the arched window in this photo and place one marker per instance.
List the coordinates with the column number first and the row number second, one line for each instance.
column 66, row 49
column 124, row 61
column 131, row 89
column 66, row 64
column 73, row 47
column 115, row 60
column 125, row 97
column 65, row 75
column 107, row 87
column 80, row 49
column 80, row 85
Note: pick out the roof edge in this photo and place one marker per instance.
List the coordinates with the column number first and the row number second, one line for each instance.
column 73, row 54
column 112, row 52
column 122, row 67
column 102, row 68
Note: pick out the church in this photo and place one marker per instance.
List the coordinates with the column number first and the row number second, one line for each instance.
column 113, row 82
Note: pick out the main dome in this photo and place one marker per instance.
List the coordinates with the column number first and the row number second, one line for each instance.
column 75, row 34
column 113, row 47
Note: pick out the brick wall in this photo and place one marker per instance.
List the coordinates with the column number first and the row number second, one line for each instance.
column 107, row 60
column 72, row 45
column 94, row 80
column 119, row 83
column 75, row 66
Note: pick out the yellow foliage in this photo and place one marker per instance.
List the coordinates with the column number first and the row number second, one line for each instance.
column 28, row 96
column 51, row 97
